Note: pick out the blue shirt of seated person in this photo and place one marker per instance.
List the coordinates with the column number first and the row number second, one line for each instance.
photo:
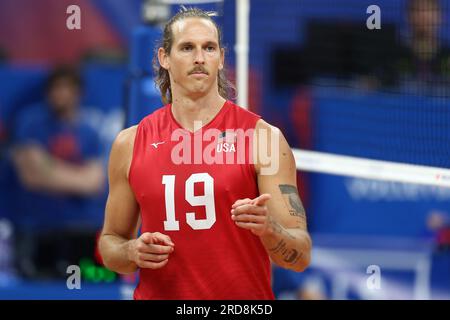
column 58, row 161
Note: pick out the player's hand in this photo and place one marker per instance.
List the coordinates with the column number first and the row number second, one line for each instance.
column 151, row 250
column 252, row 214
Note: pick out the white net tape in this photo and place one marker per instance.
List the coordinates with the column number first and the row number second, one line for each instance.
column 370, row 169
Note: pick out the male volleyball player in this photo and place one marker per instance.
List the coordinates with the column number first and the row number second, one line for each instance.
column 208, row 227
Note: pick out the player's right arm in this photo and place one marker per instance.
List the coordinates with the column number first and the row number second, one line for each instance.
column 119, row 246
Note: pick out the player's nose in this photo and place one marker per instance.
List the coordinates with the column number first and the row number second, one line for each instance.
column 199, row 57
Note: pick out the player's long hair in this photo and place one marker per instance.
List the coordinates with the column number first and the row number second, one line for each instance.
column 162, row 75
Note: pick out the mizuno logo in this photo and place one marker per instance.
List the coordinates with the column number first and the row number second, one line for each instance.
column 156, row 144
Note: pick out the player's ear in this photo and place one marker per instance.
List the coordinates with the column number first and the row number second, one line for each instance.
column 163, row 58
column 222, row 58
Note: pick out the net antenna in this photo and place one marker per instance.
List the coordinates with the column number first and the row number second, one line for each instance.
column 242, row 51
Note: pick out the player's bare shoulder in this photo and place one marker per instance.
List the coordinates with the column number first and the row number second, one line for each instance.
column 270, row 144
column 122, row 151
column 271, row 132
column 126, row 137
column 263, row 125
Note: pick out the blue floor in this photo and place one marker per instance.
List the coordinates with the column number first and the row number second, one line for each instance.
column 59, row 291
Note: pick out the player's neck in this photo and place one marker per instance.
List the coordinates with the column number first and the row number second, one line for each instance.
column 187, row 110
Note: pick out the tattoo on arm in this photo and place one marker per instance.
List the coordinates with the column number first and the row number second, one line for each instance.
column 293, row 202
column 290, row 256
column 278, row 228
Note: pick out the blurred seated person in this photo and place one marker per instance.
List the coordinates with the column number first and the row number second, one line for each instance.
column 438, row 223
column 307, row 285
column 57, row 158
column 422, row 62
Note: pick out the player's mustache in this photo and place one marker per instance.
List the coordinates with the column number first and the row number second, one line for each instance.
column 198, row 69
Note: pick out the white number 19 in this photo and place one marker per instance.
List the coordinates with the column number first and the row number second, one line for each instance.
column 207, row 200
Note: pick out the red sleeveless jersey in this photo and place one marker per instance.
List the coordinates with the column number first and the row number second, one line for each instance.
column 184, row 194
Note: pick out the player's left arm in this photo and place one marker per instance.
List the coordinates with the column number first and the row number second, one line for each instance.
column 277, row 216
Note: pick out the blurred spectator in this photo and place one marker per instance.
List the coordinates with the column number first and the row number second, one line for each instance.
column 422, row 62
column 312, row 288
column 57, row 159
column 438, row 222
column 307, row 285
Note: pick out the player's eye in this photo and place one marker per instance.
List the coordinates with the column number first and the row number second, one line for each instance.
column 186, row 48
column 210, row 48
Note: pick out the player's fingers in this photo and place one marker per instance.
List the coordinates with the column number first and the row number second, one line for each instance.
column 154, row 248
column 240, row 202
column 152, row 265
column 152, row 257
column 163, row 238
column 249, row 218
column 147, row 237
column 262, row 199
column 250, row 225
column 249, row 209
column 160, row 249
